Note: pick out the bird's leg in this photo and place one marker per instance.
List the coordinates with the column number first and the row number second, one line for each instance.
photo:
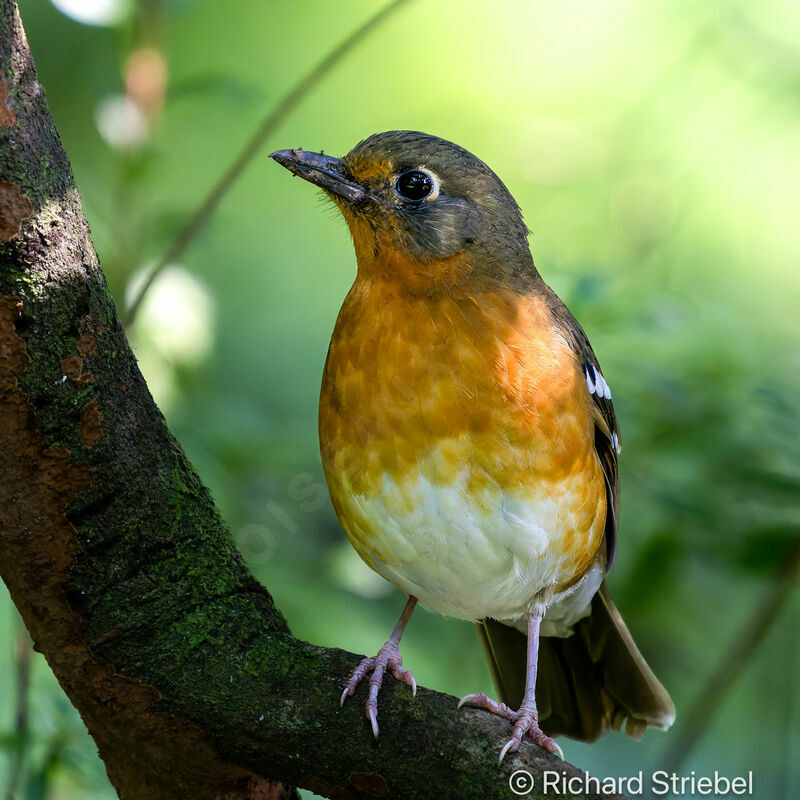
column 526, row 719
column 388, row 660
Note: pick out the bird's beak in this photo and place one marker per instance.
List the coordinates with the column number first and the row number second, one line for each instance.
column 326, row 172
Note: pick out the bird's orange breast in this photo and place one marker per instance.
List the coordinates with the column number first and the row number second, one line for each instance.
column 478, row 392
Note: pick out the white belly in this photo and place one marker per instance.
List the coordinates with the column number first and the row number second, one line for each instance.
column 472, row 554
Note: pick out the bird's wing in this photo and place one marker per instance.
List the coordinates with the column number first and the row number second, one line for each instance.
column 606, row 431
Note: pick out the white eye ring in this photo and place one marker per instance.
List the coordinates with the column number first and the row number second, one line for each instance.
column 435, row 178
column 432, row 195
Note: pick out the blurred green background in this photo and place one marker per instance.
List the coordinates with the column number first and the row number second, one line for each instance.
column 655, row 151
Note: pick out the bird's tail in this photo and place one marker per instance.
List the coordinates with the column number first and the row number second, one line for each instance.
column 587, row 682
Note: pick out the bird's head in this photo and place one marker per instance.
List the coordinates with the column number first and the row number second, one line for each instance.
column 422, row 210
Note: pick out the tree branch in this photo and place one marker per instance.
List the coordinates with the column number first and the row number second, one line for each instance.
column 183, row 670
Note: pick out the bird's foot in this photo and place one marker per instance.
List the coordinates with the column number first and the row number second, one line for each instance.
column 526, row 723
column 388, row 660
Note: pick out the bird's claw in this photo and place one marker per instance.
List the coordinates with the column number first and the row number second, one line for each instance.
column 526, row 723
column 372, row 716
column 345, row 694
column 388, row 660
column 508, row 746
column 480, row 700
column 358, row 673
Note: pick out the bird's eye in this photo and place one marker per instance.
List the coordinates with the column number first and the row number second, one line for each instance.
column 416, row 185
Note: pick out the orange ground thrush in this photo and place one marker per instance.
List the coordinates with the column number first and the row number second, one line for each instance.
column 469, row 440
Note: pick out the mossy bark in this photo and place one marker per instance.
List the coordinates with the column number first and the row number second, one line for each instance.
column 183, row 670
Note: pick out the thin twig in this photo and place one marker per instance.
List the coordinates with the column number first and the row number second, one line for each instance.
column 743, row 647
column 285, row 106
column 788, row 671
column 23, row 650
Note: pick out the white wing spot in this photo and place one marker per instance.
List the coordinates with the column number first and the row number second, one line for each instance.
column 598, row 386
column 589, row 381
column 615, row 442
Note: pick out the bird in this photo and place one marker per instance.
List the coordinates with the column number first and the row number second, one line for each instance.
column 470, row 444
